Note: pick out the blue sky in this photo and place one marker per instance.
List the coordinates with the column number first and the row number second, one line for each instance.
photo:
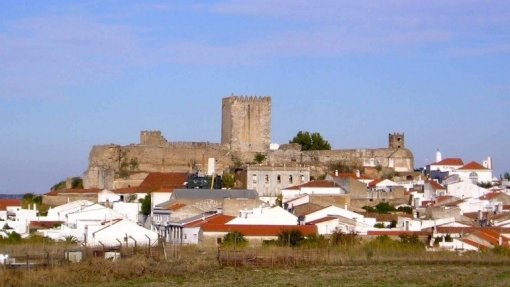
column 98, row 72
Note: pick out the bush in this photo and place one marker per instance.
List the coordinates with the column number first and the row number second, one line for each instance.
column 379, row 225
column 340, row 238
column 290, row 237
column 234, row 239
column 315, row 241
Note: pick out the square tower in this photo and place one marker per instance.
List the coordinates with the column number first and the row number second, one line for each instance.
column 246, row 123
column 396, row 140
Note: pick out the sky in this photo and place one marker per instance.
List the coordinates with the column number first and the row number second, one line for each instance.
column 74, row 75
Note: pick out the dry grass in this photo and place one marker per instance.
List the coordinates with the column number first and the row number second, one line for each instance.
column 346, row 266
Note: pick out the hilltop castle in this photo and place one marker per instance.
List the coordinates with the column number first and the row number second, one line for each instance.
column 245, row 131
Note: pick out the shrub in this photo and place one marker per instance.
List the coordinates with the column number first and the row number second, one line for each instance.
column 234, row 239
column 290, row 237
column 379, row 225
column 315, row 241
column 340, row 238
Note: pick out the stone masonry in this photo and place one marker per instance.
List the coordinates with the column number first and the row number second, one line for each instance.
column 246, row 130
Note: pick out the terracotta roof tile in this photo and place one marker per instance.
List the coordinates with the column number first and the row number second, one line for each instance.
column 166, row 181
column 450, row 161
column 446, row 229
column 323, row 219
column 260, row 230
column 375, row 182
column 215, row 220
column 473, row 243
column 4, row 203
column 473, row 166
column 43, row 224
column 435, row 185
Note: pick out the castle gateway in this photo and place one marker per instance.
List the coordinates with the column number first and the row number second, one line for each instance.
column 245, row 131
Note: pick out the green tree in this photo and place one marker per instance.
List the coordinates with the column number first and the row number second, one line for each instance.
column 146, row 204
column 259, row 158
column 234, row 239
column 228, row 180
column 506, row 175
column 311, row 141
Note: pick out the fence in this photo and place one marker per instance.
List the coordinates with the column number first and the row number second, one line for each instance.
column 272, row 257
column 57, row 256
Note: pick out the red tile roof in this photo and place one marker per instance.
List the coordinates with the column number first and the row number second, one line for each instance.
column 491, row 195
column 473, row 166
column 323, row 219
column 260, row 230
column 375, row 182
column 217, row 223
column 435, row 185
column 4, row 203
column 446, row 229
column 450, row 161
column 217, row 219
column 43, row 224
column 166, row 181
column 473, row 243
column 314, row 183
column 491, row 236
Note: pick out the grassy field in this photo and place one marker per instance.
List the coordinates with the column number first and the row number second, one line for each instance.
column 360, row 265
column 360, row 275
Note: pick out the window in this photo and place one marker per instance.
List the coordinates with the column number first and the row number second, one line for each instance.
column 290, row 179
column 279, row 179
column 254, row 178
column 473, row 177
column 266, row 178
column 302, row 178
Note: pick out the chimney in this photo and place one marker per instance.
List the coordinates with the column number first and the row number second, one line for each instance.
column 438, row 156
column 336, row 172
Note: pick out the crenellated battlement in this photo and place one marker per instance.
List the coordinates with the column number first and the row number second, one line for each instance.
column 246, row 99
column 246, row 123
column 152, row 138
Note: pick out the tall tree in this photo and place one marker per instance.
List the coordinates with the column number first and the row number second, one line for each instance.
column 311, row 141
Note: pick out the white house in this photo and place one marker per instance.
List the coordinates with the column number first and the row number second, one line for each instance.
column 8, row 206
column 475, row 205
column 322, row 187
column 331, row 218
column 264, row 216
column 129, row 210
column 91, row 215
column 384, row 185
column 115, row 233
column 107, row 196
column 59, row 213
column 465, row 189
column 446, row 165
column 474, row 172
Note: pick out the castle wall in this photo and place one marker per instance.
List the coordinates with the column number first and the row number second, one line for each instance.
column 245, row 131
column 113, row 163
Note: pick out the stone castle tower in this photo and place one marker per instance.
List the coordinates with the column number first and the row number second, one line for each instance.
column 246, row 123
column 396, row 140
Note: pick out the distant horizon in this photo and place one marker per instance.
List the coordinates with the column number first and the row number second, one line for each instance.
column 73, row 75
